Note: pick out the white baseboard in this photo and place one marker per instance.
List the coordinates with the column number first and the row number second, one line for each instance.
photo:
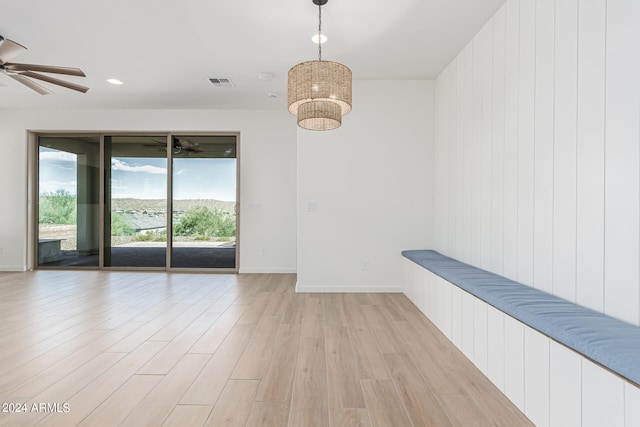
column 267, row 271
column 12, row 268
column 348, row 289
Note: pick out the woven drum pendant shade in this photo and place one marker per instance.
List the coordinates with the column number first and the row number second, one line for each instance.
column 319, row 93
column 319, row 115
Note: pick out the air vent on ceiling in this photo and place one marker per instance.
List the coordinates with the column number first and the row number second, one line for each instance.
column 221, row 82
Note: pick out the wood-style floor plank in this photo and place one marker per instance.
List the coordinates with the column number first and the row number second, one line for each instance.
column 21, row 368
column 268, row 414
column 433, row 367
column 188, row 416
column 384, row 404
column 257, row 355
column 369, row 361
column 65, row 366
column 419, row 399
column 179, row 349
column 158, row 404
column 234, row 405
column 342, row 376
column 61, row 392
column 386, row 337
column 277, row 381
column 309, row 401
column 113, row 411
column 350, row 417
column 166, row 359
column 463, row 411
column 213, row 337
column 313, row 317
column 106, row 384
column 207, row 387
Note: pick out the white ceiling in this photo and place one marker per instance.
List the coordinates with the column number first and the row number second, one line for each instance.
column 165, row 50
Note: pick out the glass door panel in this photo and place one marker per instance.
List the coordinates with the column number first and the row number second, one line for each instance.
column 103, row 201
column 68, row 201
column 135, row 211
column 204, row 174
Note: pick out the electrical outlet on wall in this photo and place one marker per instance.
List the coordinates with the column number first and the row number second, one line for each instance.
column 365, row 264
column 263, row 252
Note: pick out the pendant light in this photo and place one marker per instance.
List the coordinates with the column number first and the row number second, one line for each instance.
column 319, row 92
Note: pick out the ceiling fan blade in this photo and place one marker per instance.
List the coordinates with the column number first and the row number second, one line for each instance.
column 45, row 69
column 9, row 49
column 55, row 81
column 31, row 85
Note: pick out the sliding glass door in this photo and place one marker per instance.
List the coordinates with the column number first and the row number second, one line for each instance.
column 204, row 173
column 68, row 209
column 135, row 208
column 152, row 201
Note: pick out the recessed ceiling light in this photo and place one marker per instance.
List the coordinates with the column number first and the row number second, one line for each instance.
column 115, row 81
column 265, row 77
column 323, row 38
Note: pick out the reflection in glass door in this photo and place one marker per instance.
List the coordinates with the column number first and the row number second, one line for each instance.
column 68, row 201
column 135, row 209
column 204, row 173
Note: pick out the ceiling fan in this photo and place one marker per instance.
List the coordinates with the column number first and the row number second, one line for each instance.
column 179, row 145
column 183, row 144
column 24, row 73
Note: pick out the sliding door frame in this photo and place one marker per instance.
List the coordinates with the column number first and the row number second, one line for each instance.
column 170, row 136
column 33, row 138
column 33, row 196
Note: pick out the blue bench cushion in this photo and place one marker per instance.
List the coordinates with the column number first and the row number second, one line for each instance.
column 610, row 342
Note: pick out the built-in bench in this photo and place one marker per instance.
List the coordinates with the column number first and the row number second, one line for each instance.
column 609, row 342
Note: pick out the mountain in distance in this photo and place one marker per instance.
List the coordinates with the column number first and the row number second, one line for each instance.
column 160, row 205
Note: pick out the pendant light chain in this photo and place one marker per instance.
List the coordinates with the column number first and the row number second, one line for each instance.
column 319, row 31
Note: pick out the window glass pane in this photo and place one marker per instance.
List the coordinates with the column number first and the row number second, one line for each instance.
column 136, row 202
column 68, row 201
column 204, row 200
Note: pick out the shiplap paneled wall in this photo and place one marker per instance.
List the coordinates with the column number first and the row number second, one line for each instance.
column 537, row 172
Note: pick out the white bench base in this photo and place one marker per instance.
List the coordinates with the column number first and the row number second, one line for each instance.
column 550, row 383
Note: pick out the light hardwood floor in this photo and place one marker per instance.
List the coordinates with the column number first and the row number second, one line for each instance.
column 156, row 349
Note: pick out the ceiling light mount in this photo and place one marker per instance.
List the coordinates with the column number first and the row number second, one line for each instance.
column 319, row 92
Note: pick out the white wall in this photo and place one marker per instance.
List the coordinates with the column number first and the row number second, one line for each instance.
column 537, row 144
column 370, row 182
column 267, row 180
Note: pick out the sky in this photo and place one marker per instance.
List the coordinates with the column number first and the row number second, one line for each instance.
column 146, row 178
